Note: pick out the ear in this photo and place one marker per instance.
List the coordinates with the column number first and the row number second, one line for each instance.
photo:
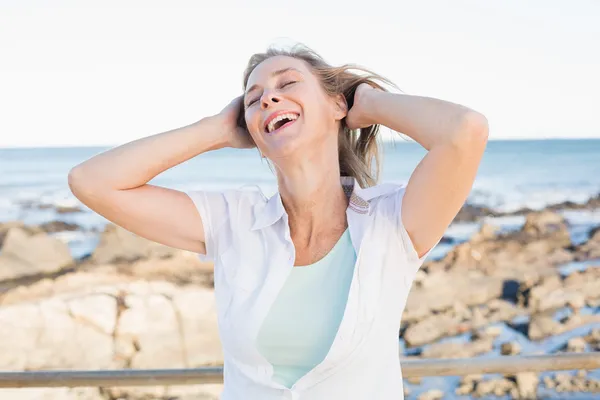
column 341, row 107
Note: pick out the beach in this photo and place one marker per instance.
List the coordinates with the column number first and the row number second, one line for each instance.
column 517, row 272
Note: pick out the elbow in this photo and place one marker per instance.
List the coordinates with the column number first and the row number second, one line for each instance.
column 77, row 181
column 473, row 131
column 73, row 179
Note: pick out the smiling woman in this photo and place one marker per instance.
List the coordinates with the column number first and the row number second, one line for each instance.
column 310, row 283
column 301, row 72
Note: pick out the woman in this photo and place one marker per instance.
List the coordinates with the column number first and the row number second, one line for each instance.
column 311, row 282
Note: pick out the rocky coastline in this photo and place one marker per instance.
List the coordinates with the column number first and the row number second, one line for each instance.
column 132, row 303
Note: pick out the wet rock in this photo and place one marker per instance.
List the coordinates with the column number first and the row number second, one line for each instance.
column 26, row 255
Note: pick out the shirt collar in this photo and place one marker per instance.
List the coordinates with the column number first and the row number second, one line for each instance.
column 273, row 210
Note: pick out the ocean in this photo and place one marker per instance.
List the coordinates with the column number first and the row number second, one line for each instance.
column 513, row 174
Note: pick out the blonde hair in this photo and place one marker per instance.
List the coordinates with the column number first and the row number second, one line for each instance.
column 358, row 148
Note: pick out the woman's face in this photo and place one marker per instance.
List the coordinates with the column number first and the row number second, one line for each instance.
column 286, row 109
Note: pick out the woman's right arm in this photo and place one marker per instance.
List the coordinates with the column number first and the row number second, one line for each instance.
column 115, row 183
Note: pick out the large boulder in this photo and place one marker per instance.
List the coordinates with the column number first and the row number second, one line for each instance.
column 137, row 324
column 25, row 254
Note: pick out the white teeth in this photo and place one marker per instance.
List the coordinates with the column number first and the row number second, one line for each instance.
column 289, row 116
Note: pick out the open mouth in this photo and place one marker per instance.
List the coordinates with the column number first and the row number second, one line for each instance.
column 281, row 122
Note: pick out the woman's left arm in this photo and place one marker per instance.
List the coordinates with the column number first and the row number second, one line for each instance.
column 455, row 137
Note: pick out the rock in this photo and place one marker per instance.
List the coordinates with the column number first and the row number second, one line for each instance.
column 59, row 226
column 473, row 212
column 535, row 295
column 136, row 324
column 68, row 209
column 592, row 203
column 437, row 295
column 429, row 329
column 576, row 345
column 586, row 283
column 502, row 310
column 495, row 386
column 547, row 223
column 28, row 255
column 527, row 384
column 543, row 240
column 119, row 245
column 589, row 250
column 593, row 337
column 488, row 332
column 542, row 326
column 486, row 232
column 563, row 382
column 433, row 394
column 6, row 226
column 510, row 348
column 464, row 389
column 560, row 298
column 181, row 268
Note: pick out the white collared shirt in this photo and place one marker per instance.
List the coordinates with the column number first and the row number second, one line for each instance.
column 248, row 238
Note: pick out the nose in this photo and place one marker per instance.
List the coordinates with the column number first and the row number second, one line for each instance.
column 268, row 99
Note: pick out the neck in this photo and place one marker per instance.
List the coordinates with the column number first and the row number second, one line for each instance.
column 313, row 197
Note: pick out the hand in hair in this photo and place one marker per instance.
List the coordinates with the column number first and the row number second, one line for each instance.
column 359, row 116
column 233, row 125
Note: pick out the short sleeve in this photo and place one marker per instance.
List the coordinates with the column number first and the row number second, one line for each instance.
column 405, row 239
column 212, row 207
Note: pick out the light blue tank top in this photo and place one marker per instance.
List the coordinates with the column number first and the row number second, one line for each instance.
column 304, row 319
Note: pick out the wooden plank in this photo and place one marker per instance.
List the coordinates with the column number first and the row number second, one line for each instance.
column 195, row 376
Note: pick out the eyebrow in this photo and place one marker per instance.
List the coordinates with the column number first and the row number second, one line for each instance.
column 275, row 73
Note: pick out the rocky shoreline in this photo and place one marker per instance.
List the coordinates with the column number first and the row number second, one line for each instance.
column 132, row 303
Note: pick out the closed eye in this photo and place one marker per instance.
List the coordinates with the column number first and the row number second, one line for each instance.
column 282, row 86
column 288, row 83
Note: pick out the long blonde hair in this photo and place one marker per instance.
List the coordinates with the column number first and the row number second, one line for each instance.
column 359, row 153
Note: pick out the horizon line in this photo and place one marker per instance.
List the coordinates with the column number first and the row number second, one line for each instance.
column 393, row 141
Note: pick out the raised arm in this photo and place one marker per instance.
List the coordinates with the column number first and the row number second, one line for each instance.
column 455, row 137
column 115, row 183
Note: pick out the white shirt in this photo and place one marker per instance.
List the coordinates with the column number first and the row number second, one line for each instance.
column 248, row 238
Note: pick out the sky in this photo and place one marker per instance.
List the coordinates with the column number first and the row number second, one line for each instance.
column 107, row 72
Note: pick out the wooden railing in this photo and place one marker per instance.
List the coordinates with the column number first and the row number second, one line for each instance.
column 195, row 376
